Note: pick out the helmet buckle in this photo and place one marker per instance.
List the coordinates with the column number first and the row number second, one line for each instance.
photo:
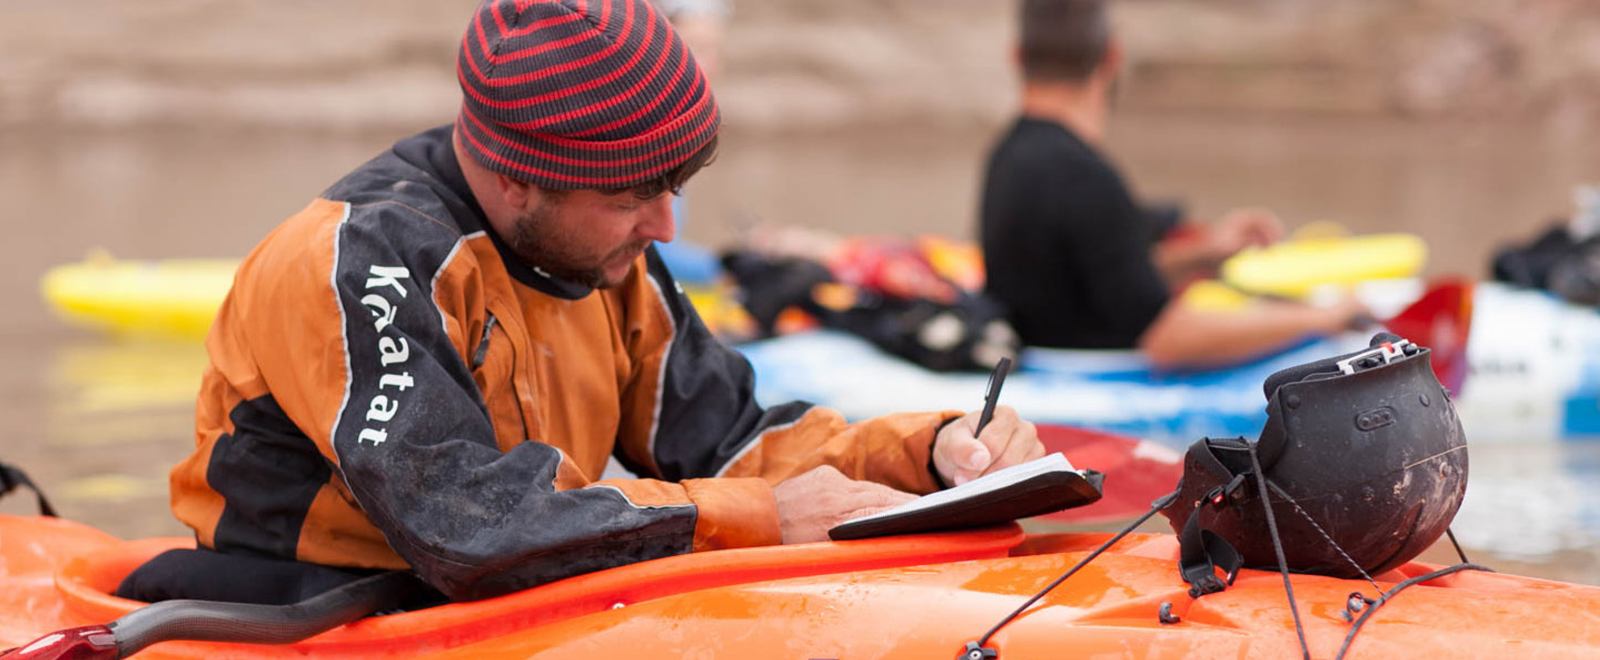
column 1377, row 356
column 1232, row 493
column 1236, row 488
column 1206, row 584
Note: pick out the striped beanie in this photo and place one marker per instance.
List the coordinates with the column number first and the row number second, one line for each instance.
column 569, row 94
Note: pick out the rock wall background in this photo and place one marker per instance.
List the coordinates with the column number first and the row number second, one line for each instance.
column 805, row 64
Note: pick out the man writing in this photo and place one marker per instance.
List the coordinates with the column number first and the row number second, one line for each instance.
column 428, row 367
column 1079, row 263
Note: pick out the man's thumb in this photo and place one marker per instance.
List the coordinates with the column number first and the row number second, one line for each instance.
column 977, row 456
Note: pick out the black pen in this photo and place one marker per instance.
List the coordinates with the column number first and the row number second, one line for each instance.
column 996, row 379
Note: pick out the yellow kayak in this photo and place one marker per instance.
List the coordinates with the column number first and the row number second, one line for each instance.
column 166, row 297
column 1294, row 268
column 178, row 298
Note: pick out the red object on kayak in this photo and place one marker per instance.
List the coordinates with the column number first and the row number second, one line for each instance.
column 1442, row 321
column 95, row 642
column 1137, row 471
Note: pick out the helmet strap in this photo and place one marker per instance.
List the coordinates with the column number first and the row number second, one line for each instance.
column 1201, row 551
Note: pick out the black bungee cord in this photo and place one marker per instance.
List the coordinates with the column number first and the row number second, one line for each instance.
column 1360, row 603
column 1452, row 534
column 979, row 650
column 1277, row 547
column 1366, row 606
column 1324, row 533
column 1386, row 596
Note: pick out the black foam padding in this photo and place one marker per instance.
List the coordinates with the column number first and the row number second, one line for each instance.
column 1329, row 366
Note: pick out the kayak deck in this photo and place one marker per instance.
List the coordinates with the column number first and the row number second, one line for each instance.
column 903, row 597
column 1108, row 608
column 56, row 574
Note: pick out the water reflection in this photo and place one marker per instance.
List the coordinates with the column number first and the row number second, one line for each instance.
column 120, row 414
column 123, row 379
column 1532, row 501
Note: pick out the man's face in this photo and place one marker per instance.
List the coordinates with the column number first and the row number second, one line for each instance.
column 590, row 237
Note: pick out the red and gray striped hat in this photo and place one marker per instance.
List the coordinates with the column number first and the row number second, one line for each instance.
column 569, row 94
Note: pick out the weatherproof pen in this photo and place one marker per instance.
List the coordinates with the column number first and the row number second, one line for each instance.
column 996, row 379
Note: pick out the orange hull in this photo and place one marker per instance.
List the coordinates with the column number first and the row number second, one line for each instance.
column 908, row 597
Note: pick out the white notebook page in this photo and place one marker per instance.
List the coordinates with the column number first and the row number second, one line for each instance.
column 985, row 484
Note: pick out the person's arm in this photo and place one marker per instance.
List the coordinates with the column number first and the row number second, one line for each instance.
column 1183, row 336
column 690, row 413
column 1166, row 219
column 1186, row 255
column 1194, row 250
column 365, row 337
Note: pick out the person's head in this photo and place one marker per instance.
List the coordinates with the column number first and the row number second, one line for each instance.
column 1066, row 41
column 579, row 121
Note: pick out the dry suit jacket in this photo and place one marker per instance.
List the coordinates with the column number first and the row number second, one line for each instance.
column 389, row 387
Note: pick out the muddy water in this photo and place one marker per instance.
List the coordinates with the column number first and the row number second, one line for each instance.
column 100, row 421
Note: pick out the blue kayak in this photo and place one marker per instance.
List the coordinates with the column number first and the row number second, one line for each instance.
column 1113, row 391
column 1534, row 363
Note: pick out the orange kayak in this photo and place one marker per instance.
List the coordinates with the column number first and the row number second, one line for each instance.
column 905, row 597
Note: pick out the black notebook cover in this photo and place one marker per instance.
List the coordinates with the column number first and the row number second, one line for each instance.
column 1031, row 495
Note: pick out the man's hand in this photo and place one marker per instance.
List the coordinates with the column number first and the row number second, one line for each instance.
column 1006, row 441
column 1242, row 228
column 814, row 502
column 1346, row 313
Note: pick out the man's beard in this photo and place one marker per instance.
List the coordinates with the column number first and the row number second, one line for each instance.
column 538, row 244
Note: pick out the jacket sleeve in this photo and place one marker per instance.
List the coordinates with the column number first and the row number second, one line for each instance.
column 362, row 357
column 698, row 419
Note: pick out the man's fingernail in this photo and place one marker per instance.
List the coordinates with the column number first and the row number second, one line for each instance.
column 961, row 479
column 978, row 459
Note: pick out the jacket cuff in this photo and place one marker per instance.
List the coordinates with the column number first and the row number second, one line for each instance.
column 920, row 447
column 733, row 513
column 934, row 469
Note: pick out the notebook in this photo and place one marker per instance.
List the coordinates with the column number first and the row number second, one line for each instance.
column 1034, row 488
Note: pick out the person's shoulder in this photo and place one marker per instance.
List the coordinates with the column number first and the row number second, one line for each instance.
column 374, row 216
column 329, row 236
column 1049, row 151
column 405, row 189
column 392, row 227
column 1041, row 136
column 393, row 199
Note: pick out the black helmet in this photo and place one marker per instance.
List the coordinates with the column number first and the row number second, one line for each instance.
column 1365, row 464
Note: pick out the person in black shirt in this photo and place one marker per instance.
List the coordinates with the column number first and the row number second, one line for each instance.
column 1077, row 260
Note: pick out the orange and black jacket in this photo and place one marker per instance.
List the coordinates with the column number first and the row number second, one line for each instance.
column 389, row 388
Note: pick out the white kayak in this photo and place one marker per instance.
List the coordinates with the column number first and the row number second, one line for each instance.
column 1534, row 365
